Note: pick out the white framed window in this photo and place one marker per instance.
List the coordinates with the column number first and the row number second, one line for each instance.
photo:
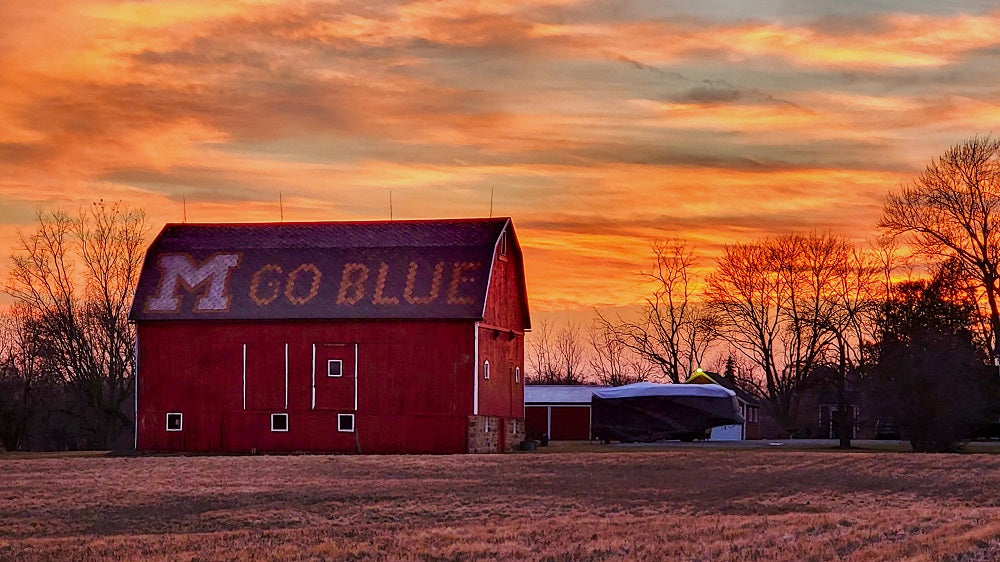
column 279, row 422
column 175, row 421
column 486, row 370
column 334, row 368
column 517, row 374
column 503, row 243
column 345, row 423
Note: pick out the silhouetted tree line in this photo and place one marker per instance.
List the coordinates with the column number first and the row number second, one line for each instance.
column 67, row 350
column 930, row 368
column 805, row 311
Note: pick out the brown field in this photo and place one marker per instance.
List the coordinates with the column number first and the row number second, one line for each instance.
column 682, row 503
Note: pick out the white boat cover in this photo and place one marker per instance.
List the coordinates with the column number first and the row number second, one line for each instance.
column 650, row 412
column 656, row 389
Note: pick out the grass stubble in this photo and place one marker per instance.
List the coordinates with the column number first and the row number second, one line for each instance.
column 681, row 505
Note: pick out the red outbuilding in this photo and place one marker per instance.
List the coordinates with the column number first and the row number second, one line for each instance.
column 560, row 412
column 362, row 337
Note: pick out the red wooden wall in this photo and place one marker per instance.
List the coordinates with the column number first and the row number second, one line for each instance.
column 568, row 422
column 501, row 339
column 414, row 386
column 536, row 421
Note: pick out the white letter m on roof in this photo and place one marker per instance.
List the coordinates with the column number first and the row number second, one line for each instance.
column 210, row 278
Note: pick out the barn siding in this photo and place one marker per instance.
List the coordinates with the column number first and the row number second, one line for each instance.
column 265, row 373
column 501, row 394
column 414, row 385
column 567, row 422
column 504, row 293
column 501, row 340
column 536, row 421
column 570, row 422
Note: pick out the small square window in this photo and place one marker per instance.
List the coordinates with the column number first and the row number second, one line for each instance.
column 279, row 422
column 334, row 368
column 345, row 422
column 175, row 421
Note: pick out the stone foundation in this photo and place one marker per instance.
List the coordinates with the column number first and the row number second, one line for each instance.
column 493, row 434
column 515, row 434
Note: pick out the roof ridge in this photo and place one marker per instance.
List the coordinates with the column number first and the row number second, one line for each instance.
column 342, row 222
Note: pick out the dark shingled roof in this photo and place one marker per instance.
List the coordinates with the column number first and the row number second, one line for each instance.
column 727, row 382
column 322, row 270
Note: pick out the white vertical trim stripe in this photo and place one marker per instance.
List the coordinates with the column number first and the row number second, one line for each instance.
column 286, row 375
column 475, row 373
column 135, row 392
column 355, row 377
column 244, row 376
column 314, row 377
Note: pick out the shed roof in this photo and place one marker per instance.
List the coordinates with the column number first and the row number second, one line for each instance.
column 559, row 393
column 323, row 270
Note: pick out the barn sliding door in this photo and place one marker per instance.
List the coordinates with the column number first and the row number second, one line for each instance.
column 335, row 369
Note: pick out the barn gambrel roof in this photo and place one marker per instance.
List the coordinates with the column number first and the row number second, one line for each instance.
column 436, row 269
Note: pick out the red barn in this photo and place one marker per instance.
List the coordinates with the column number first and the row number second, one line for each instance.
column 363, row 337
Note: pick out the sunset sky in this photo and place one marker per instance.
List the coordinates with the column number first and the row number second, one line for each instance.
column 597, row 125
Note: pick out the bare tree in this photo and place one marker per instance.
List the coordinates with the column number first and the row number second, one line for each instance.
column 740, row 371
column 77, row 275
column 673, row 332
column 886, row 258
column 540, row 355
column 571, row 352
column 857, row 295
column 780, row 303
column 952, row 209
column 612, row 362
column 556, row 357
column 23, row 374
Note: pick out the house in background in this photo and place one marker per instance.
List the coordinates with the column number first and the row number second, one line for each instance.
column 820, row 402
column 749, row 408
column 367, row 337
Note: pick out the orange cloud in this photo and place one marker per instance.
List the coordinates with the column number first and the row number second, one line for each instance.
column 598, row 129
column 899, row 41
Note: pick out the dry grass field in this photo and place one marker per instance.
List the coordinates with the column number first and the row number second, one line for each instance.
column 683, row 504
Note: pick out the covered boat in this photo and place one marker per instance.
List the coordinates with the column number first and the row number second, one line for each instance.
column 648, row 411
